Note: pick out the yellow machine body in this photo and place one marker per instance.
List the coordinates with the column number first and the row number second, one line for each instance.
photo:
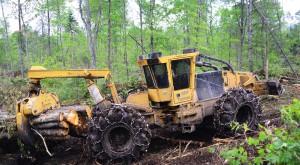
column 176, row 94
column 186, row 95
column 175, row 104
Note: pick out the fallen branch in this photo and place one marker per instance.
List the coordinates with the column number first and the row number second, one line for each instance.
column 186, row 147
column 193, row 152
column 218, row 140
column 182, row 141
column 174, row 150
column 43, row 141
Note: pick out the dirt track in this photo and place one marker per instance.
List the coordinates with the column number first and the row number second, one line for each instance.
column 172, row 148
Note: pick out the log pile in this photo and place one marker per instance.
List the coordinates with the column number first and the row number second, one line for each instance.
column 58, row 122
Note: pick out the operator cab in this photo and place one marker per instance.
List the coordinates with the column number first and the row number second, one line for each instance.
column 170, row 79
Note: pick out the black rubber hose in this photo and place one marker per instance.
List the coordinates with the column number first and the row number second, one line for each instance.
column 214, row 59
column 200, row 64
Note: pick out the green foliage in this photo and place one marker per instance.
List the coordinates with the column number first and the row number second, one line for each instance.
column 275, row 146
column 177, row 24
column 211, row 150
column 68, row 90
column 235, row 156
column 11, row 91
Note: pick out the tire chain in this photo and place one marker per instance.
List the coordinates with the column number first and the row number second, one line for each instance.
column 141, row 130
column 230, row 95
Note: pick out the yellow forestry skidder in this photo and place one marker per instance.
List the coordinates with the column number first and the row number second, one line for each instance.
column 177, row 99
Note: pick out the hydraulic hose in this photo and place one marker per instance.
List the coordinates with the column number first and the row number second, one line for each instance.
column 214, row 59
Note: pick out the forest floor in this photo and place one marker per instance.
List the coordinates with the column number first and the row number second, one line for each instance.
column 171, row 148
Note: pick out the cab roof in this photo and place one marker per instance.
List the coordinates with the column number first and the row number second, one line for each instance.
column 165, row 59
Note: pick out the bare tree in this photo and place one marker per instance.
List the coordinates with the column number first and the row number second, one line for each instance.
column 26, row 38
column 152, row 5
column 108, row 35
column 141, row 24
column 49, row 25
column 267, row 55
column 20, row 39
column 86, row 19
column 186, row 27
column 198, row 21
column 241, row 24
column 249, row 20
column 59, row 38
column 125, row 38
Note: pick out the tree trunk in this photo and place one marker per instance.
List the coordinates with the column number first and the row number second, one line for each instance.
column 48, row 19
column 229, row 46
column 242, row 33
column 61, row 124
column 73, row 49
column 48, row 117
column 26, row 40
column 86, row 19
column 186, row 28
column 59, row 26
column 276, row 41
column 249, row 19
column 198, row 21
column 6, row 44
column 152, row 4
column 210, row 20
column 43, row 35
column 20, row 39
column 108, row 35
column 125, row 39
column 141, row 25
column 262, row 42
column 267, row 55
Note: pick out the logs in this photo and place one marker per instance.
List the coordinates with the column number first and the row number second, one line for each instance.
column 58, row 122
column 61, row 124
column 48, row 117
column 54, row 132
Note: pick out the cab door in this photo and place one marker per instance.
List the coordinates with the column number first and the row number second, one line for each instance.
column 182, row 77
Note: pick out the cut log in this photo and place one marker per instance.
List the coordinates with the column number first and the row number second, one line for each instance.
column 61, row 124
column 78, row 108
column 71, row 117
column 48, row 117
column 54, row 132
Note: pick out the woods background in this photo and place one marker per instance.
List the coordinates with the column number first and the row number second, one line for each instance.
column 106, row 35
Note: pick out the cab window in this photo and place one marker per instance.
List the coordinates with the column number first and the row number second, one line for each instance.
column 181, row 73
column 160, row 76
column 148, row 77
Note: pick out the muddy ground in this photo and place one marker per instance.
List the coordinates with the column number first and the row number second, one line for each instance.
column 169, row 148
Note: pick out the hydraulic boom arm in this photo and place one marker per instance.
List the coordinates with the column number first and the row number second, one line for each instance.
column 38, row 72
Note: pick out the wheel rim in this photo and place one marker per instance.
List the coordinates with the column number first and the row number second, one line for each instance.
column 118, row 139
column 244, row 114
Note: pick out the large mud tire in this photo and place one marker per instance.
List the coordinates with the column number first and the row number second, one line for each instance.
column 236, row 105
column 117, row 134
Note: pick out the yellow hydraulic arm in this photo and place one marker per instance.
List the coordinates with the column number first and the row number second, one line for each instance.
column 38, row 72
